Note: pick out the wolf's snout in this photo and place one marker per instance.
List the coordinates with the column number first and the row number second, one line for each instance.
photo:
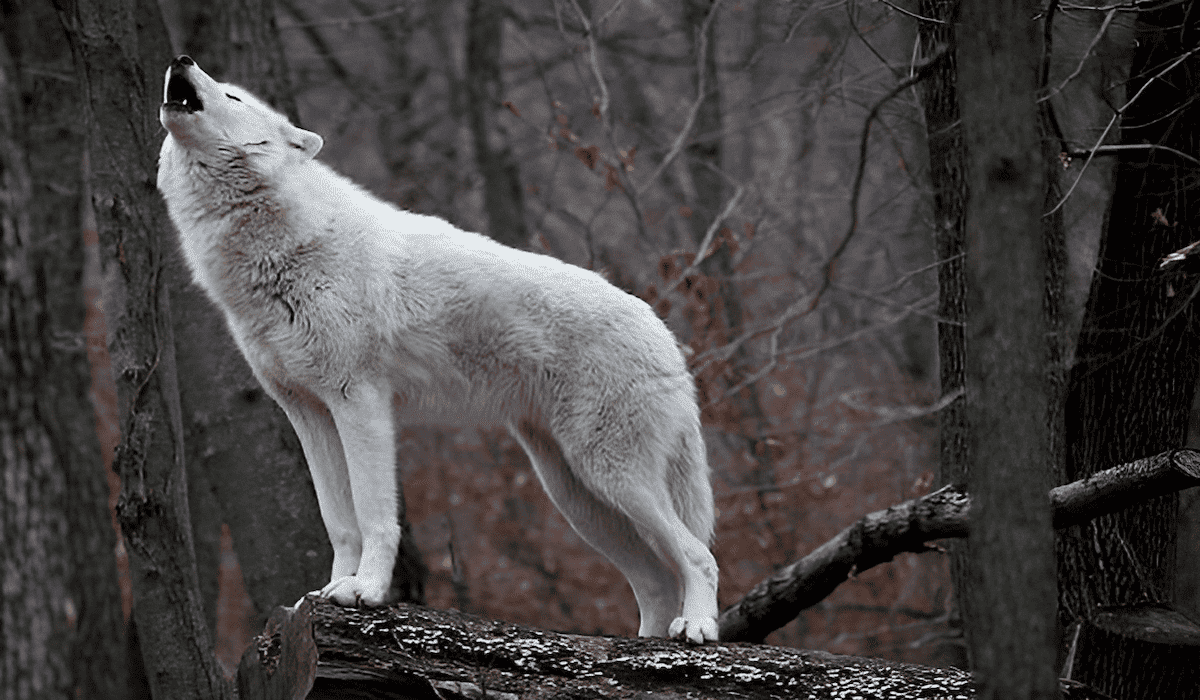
column 180, row 94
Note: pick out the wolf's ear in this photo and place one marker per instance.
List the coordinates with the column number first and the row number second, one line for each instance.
column 305, row 141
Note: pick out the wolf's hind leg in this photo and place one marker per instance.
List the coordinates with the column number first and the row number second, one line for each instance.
column 647, row 486
column 363, row 416
column 608, row 531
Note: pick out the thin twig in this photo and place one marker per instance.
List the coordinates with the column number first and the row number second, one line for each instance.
column 594, row 60
column 1086, row 55
column 1113, row 149
column 604, row 18
column 856, row 189
column 1116, row 115
column 706, row 244
column 805, row 305
column 912, row 14
column 694, row 111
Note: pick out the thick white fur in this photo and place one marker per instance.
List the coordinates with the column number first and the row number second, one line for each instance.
column 356, row 316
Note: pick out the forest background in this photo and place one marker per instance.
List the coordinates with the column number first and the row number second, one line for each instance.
column 713, row 158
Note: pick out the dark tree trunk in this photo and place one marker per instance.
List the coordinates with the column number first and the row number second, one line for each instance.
column 1138, row 652
column 1010, row 577
column 61, row 635
column 502, row 193
column 947, row 173
column 1131, row 390
column 112, row 41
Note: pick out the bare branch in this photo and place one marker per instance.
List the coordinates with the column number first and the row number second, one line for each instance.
column 593, row 59
column 805, row 305
column 878, row 537
column 694, row 111
column 1086, row 55
column 1113, row 149
column 1116, row 115
column 705, row 248
column 912, row 14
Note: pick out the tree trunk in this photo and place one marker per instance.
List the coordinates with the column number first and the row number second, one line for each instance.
column 947, row 173
column 1010, row 578
column 1131, row 390
column 1138, row 652
column 121, row 101
column 503, row 196
column 61, row 629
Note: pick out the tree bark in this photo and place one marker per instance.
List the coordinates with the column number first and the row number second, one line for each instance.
column 412, row 652
column 61, row 611
column 121, row 101
column 60, row 625
column 1132, row 389
column 1137, row 652
column 409, row 652
column 503, row 196
column 1010, row 579
column 948, row 177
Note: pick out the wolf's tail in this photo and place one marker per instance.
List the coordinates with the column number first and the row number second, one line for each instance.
column 689, row 482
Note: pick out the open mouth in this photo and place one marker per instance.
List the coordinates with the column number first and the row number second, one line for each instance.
column 181, row 95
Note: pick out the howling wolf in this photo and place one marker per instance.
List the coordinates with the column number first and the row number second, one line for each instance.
column 356, row 317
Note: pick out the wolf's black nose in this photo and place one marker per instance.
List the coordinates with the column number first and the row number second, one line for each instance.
column 182, row 61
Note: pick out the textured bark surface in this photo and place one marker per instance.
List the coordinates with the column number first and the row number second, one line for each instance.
column 413, row 652
column 60, row 613
column 34, row 647
column 1139, row 652
column 1010, row 580
column 409, row 653
column 112, row 41
column 948, row 177
column 1132, row 388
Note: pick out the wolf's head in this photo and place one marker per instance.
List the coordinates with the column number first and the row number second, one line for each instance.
column 220, row 125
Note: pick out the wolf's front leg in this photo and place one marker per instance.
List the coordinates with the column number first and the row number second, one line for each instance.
column 326, row 459
column 363, row 416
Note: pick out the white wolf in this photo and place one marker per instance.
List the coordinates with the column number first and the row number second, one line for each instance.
column 356, row 316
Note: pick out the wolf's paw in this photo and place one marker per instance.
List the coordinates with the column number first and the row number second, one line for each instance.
column 697, row 631
column 353, row 591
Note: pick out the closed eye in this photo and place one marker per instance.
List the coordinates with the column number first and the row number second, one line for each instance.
column 233, row 97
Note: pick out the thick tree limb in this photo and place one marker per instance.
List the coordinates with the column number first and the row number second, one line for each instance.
column 909, row 527
column 407, row 651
